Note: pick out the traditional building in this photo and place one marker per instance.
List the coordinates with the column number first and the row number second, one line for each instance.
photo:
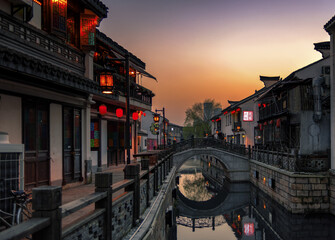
column 174, row 134
column 330, row 28
column 294, row 113
column 51, row 62
column 236, row 123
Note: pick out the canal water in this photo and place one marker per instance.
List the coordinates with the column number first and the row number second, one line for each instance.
column 209, row 207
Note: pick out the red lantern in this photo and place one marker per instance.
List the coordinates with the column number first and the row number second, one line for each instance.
column 264, row 105
column 119, row 112
column 213, row 120
column 232, row 112
column 238, row 110
column 259, row 105
column 278, row 123
column 260, row 127
column 135, row 116
column 265, row 123
column 144, row 114
column 102, row 109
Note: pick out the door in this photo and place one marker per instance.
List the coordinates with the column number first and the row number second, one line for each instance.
column 36, row 142
column 113, row 143
column 71, row 145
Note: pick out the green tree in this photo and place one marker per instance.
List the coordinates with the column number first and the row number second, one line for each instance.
column 197, row 121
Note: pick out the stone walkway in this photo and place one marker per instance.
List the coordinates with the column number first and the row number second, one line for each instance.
column 71, row 194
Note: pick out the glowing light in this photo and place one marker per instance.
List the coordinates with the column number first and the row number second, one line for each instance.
column 135, row 116
column 119, row 112
column 102, row 109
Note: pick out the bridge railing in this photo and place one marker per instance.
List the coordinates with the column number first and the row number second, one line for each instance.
column 291, row 161
column 110, row 212
column 210, row 142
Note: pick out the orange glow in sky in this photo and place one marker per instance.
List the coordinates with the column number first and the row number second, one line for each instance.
column 217, row 48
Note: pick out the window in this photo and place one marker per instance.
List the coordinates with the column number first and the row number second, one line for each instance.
column 59, row 14
column 95, row 134
column 88, row 24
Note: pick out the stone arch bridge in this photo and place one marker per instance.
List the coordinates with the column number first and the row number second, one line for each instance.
column 234, row 158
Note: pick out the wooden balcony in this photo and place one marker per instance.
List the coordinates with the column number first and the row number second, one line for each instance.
column 25, row 38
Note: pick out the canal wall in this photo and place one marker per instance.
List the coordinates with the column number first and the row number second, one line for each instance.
column 297, row 192
column 332, row 191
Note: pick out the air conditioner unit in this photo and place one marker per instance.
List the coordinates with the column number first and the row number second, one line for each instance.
column 325, row 70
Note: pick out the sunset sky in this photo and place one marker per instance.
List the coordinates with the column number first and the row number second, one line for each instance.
column 199, row 49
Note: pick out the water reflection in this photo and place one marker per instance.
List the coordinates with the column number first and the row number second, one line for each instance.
column 207, row 209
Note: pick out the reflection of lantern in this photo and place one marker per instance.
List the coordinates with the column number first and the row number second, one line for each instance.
column 102, row 109
column 106, row 82
column 156, row 117
column 119, row 112
column 135, row 116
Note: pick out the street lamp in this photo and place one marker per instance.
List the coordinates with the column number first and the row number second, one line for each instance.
column 107, row 87
column 162, row 110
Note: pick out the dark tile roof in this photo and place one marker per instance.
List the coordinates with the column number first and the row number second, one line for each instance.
column 97, row 6
column 322, row 45
column 266, row 78
column 118, row 48
column 329, row 23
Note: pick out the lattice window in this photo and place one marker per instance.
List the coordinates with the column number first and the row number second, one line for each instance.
column 59, row 15
column 88, row 25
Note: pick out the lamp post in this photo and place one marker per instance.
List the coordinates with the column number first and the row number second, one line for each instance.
column 107, row 86
column 162, row 110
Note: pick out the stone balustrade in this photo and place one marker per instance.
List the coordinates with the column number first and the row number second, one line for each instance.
column 110, row 219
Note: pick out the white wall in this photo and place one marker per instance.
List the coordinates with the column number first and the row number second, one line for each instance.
column 11, row 117
column 36, row 21
column 56, row 145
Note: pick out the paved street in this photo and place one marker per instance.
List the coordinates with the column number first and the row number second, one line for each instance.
column 74, row 193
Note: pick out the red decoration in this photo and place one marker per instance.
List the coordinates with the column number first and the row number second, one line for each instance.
column 144, row 114
column 232, row 112
column 249, row 229
column 135, row 116
column 119, row 112
column 264, row 105
column 239, row 109
column 265, row 123
column 259, row 105
column 278, row 123
column 102, row 109
column 88, row 25
column 260, row 126
column 213, row 120
column 225, row 112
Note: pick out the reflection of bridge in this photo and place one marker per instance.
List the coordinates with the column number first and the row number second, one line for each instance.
column 201, row 222
column 233, row 157
column 234, row 197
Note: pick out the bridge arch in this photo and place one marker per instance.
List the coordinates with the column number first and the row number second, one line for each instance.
column 237, row 166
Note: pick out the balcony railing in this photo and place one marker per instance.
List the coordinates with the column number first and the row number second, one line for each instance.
column 272, row 109
column 37, row 43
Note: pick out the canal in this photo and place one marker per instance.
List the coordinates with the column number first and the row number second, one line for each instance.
column 209, row 207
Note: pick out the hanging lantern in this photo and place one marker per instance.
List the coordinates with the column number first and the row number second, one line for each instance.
column 271, row 121
column 156, row 117
column 106, row 81
column 260, row 127
column 238, row 110
column 278, row 123
column 102, row 109
column 119, row 112
column 259, row 105
column 265, row 123
column 135, row 116
column 144, row 114
column 264, row 105
column 213, row 120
